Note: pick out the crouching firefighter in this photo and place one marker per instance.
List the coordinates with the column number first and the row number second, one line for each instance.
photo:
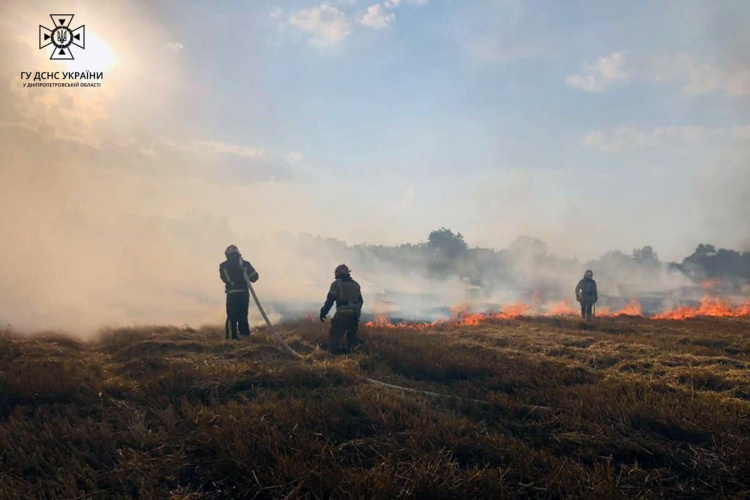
column 586, row 294
column 345, row 292
column 237, row 275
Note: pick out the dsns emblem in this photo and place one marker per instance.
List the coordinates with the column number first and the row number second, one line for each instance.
column 61, row 36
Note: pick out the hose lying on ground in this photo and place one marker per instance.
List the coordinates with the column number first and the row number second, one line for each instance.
column 270, row 326
column 370, row 380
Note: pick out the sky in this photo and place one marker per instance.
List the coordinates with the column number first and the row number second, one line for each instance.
column 592, row 125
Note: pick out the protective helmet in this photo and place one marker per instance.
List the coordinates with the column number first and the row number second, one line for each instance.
column 231, row 249
column 341, row 269
column 588, row 274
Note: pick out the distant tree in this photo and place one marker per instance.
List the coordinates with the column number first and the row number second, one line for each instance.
column 703, row 251
column 614, row 259
column 708, row 262
column 445, row 244
column 529, row 247
column 616, row 256
column 646, row 255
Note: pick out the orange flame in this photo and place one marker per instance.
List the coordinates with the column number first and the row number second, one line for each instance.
column 561, row 308
column 632, row 308
column 710, row 306
column 381, row 321
column 512, row 311
column 462, row 315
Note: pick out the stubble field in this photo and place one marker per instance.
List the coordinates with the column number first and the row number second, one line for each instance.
column 532, row 407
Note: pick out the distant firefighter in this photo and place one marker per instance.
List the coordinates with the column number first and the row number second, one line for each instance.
column 586, row 294
column 237, row 274
column 345, row 292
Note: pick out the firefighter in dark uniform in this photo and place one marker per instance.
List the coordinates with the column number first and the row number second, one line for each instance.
column 586, row 294
column 237, row 274
column 345, row 292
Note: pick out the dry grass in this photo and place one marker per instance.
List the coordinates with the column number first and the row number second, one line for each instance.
column 623, row 407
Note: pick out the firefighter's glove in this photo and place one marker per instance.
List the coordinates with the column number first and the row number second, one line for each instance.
column 322, row 316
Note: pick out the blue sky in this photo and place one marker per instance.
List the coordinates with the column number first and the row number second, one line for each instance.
column 592, row 125
column 447, row 93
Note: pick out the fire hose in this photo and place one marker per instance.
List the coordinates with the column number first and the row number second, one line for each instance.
column 270, row 326
column 373, row 381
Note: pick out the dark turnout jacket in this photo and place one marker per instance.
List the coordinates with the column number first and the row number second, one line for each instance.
column 347, row 295
column 237, row 274
column 586, row 291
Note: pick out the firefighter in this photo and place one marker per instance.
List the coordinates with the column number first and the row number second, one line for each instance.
column 586, row 294
column 345, row 292
column 237, row 275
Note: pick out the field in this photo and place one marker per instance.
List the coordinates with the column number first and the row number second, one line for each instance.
column 527, row 408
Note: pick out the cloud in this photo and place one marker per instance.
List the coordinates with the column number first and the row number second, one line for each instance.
column 629, row 138
column 276, row 13
column 741, row 133
column 175, row 46
column 691, row 75
column 232, row 149
column 697, row 77
column 219, row 162
column 377, row 18
column 607, row 70
column 392, row 4
column 325, row 24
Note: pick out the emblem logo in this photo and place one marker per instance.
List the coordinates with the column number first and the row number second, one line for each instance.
column 62, row 37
